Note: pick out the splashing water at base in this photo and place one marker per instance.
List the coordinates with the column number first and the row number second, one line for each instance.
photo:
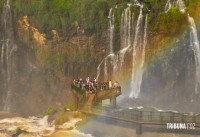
column 39, row 127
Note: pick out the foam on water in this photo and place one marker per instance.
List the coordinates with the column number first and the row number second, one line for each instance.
column 39, row 127
column 69, row 124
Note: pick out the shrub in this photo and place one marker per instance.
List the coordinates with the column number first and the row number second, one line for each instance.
column 50, row 111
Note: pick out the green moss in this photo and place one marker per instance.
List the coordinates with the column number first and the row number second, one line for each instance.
column 155, row 5
column 91, row 15
column 136, row 11
column 193, row 8
column 61, row 15
column 171, row 23
column 52, row 61
column 50, row 111
column 1, row 6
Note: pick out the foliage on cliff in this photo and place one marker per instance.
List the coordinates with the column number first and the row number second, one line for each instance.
column 92, row 15
column 172, row 23
column 62, row 15
column 193, row 7
column 1, row 5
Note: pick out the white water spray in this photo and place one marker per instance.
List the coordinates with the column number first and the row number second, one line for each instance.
column 137, row 71
column 39, row 127
column 111, row 29
column 194, row 42
column 132, row 38
column 8, row 47
column 168, row 5
column 125, row 34
column 180, row 5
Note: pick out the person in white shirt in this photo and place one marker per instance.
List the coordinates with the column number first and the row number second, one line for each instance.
column 110, row 84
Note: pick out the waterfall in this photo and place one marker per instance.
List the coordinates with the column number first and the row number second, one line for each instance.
column 168, row 5
column 180, row 5
column 133, row 39
column 8, row 47
column 115, row 65
column 125, row 34
column 137, row 66
column 194, row 43
column 99, row 69
column 105, row 70
column 111, row 29
column 2, row 55
column 138, row 28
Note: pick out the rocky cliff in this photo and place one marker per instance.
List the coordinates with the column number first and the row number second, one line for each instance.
column 144, row 44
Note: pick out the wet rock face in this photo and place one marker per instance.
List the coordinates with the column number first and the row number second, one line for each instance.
column 34, row 87
column 31, row 89
column 28, row 85
column 169, row 83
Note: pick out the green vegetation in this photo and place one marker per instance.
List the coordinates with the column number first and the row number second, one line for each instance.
column 50, row 60
column 193, row 7
column 1, row 6
column 66, row 116
column 79, row 90
column 155, row 6
column 54, row 61
column 62, row 15
column 136, row 11
column 171, row 23
column 192, row 3
column 91, row 15
column 50, row 111
column 18, row 130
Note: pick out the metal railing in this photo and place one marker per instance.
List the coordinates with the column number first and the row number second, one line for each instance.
column 136, row 115
column 142, row 116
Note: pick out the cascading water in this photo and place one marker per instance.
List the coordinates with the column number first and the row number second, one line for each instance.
column 105, row 70
column 177, row 3
column 194, row 42
column 111, row 29
column 168, row 5
column 125, row 34
column 132, row 39
column 8, row 47
column 136, row 77
column 181, row 5
column 111, row 36
column 111, row 56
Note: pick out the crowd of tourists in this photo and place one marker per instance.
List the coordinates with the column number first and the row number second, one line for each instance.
column 93, row 84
